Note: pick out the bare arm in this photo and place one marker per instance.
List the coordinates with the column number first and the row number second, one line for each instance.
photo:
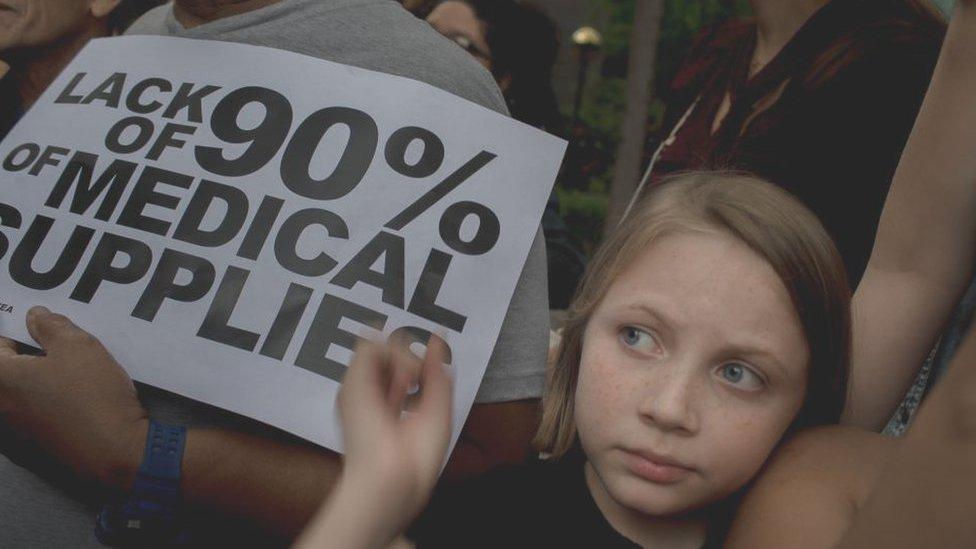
column 274, row 484
column 807, row 496
column 282, row 485
column 845, row 488
column 924, row 497
column 926, row 243
column 47, row 401
column 494, row 434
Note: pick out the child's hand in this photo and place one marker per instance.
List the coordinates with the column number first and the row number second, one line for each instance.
column 392, row 457
column 392, row 454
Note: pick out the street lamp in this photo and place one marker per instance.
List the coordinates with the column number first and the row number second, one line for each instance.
column 588, row 42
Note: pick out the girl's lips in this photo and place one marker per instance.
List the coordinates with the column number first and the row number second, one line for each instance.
column 655, row 468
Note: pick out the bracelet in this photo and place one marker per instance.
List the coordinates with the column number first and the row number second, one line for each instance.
column 151, row 514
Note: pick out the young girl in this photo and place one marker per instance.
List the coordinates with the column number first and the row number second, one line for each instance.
column 695, row 346
column 714, row 320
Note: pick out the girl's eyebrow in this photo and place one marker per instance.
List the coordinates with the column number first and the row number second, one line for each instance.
column 767, row 356
column 662, row 321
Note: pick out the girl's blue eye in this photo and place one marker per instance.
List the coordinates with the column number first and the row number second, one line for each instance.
column 635, row 337
column 733, row 372
column 741, row 376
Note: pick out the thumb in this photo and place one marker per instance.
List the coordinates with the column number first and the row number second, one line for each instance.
column 49, row 328
column 362, row 396
column 434, row 408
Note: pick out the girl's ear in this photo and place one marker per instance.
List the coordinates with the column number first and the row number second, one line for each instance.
column 101, row 8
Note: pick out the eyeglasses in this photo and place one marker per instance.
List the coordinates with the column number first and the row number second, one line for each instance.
column 468, row 45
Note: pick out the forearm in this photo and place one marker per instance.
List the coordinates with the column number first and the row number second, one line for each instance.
column 274, row 484
column 494, row 435
column 280, row 485
column 926, row 242
column 892, row 344
column 930, row 200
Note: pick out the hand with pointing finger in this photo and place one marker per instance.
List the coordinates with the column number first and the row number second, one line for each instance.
column 392, row 457
column 75, row 404
column 381, row 441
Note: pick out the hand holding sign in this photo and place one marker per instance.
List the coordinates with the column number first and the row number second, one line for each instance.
column 76, row 403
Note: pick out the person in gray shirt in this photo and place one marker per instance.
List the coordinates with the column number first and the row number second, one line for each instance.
column 234, row 465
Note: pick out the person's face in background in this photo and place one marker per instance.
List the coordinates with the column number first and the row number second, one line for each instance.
column 26, row 24
column 457, row 21
column 693, row 366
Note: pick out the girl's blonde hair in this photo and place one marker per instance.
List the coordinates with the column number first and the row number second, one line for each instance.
column 772, row 223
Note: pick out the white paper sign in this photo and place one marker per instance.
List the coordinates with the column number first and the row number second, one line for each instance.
column 228, row 219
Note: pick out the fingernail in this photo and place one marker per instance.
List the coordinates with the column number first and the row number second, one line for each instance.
column 37, row 310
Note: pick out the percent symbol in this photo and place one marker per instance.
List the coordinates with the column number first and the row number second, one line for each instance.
column 454, row 216
column 264, row 139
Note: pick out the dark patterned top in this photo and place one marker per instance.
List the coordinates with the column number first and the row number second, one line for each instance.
column 826, row 119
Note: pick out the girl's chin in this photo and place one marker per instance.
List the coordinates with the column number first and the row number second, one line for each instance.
column 656, row 500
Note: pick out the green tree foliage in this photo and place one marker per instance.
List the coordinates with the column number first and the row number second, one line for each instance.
column 604, row 100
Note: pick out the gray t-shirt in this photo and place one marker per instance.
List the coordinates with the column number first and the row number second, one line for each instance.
column 372, row 34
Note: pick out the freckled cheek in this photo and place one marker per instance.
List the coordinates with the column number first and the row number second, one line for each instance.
column 600, row 394
column 745, row 440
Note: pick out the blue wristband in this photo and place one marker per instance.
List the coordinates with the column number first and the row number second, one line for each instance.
column 159, row 474
column 151, row 513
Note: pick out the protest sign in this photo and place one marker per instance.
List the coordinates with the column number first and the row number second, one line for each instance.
column 228, row 219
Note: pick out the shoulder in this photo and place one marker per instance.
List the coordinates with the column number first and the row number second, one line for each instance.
column 711, row 45
column 811, row 488
column 517, row 368
column 151, row 22
column 390, row 39
column 439, row 62
column 837, row 462
column 880, row 50
column 378, row 35
column 832, row 453
column 876, row 79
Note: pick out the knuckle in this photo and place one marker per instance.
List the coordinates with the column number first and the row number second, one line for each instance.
column 80, row 337
column 88, row 339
